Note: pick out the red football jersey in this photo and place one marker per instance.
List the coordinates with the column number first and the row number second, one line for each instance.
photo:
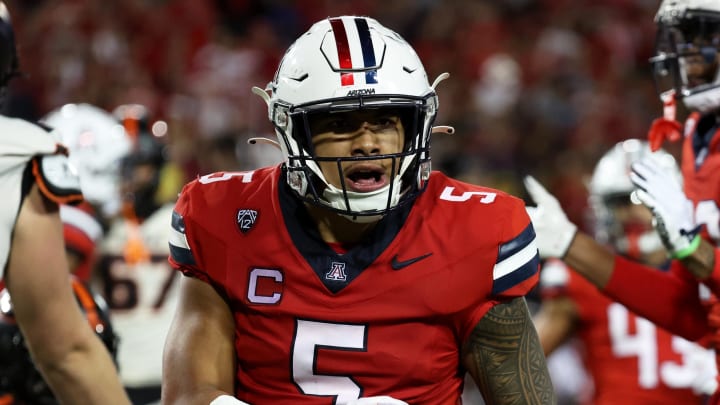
column 630, row 360
column 701, row 179
column 385, row 318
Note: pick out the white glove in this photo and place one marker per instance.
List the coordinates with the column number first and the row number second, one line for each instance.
column 553, row 230
column 381, row 400
column 673, row 215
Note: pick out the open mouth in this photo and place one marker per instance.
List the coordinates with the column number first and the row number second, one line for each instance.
column 364, row 178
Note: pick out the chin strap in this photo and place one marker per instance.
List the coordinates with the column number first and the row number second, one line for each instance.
column 667, row 127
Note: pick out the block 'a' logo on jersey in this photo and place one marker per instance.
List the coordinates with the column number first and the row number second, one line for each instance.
column 246, row 219
column 337, row 272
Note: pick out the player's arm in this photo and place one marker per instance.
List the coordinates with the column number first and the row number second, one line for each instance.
column 555, row 322
column 504, row 357
column 703, row 263
column 664, row 298
column 70, row 356
column 199, row 355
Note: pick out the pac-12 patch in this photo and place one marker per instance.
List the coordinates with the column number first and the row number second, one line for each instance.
column 246, row 219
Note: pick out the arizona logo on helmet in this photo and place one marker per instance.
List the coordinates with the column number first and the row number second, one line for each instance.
column 353, row 51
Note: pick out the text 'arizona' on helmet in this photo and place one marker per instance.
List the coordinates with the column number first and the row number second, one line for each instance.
column 97, row 143
column 352, row 63
column 610, row 187
column 686, row 62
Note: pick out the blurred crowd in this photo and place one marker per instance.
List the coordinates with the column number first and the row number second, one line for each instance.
column 536, row 86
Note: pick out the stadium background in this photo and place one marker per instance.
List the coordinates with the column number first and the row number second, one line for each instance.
column 537, row 86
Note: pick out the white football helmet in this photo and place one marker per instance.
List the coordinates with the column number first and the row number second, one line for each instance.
column 686, row 61
column 610, row 187
column 97, row 143
column 343, row 64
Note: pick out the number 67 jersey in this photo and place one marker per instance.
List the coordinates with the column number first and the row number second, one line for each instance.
column 385, row 317
column 141, row 291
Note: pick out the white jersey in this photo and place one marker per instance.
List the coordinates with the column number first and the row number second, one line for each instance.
column 20, row 141
column 142, row 297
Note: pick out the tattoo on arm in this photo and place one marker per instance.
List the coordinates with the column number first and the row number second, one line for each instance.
column 504, row 356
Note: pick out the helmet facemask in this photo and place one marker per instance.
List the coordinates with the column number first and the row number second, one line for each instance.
column 410, row 167
column 687, row 55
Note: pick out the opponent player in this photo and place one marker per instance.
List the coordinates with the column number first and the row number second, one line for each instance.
column 687, row 54
column 140, row 286
column 351, row 272
column 629, row 359
column 97, row 144
column 34, row 178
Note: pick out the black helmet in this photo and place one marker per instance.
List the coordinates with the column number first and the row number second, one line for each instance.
column 138, row 123
column 18, row 376
column 140, row 192
column 8, row 54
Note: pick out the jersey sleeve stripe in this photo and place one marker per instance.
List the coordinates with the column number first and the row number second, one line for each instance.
column 182, row 256
column 518, row 260
column 515, row 262
column 179, row 247
column 518, row 243
column 518, row 274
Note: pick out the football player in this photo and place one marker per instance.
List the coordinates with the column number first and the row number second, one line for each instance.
column 352, row 272
column 140, row 286
column 682, row 300
column 34, row 179
column 97, row 144
column 629, row 359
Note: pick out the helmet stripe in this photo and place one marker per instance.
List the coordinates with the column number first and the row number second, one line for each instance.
column 368, row 50
column 343, row 49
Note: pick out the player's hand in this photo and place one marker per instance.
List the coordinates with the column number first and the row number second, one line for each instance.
column 553, row 230
column 380, row 400
column 663, row 129
column 673, row 215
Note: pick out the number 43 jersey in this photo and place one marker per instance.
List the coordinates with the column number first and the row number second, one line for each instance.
column 387, row 317
column 631, row 360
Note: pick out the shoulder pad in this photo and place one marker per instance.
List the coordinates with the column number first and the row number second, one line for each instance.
column 56, row 179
